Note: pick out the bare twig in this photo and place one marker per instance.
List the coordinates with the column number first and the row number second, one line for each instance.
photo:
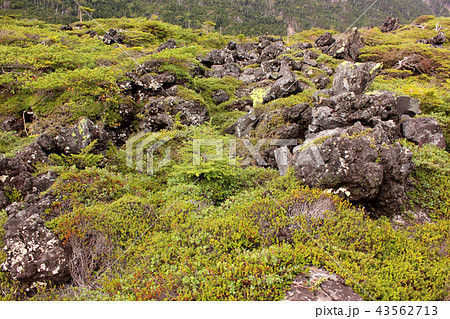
column 24, row 123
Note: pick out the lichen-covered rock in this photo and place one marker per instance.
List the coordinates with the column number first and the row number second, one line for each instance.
column 220, row 96
column 358, row 164
column 33, row 253
column 169, row 44
column 346, row 47
column 328, row 287
column 71, row 140
column 354, row 77
column 113, row 36
column 286, row 85
column 159, row 113
column 347, row 108
column 12, row 124
column 390, row 24
column 423, row 130
column 17, row 174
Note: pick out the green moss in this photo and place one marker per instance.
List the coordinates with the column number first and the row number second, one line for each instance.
column 10, row 143
column 303, row 97
column 432, row 189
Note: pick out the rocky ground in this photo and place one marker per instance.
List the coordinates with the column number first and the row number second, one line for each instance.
column 347, row 140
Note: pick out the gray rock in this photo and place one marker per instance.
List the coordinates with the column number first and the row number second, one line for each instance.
column 325, row 68
column 66, row 27
column 244, row 105
column 310, row 62
column 354, row 77
column 228, row 69
column 353, row 163
column 17, row 173
column 169, row 44
column 248, row 78
column 4, row 200
column 47, row 143
column 408, row 106
column 71, row 140
column 346, row 47
column 390, row 24
column 325, row 40
column 347, row 108
column 271, row 51
column 160, row 111
column 436, row 41
column 286, row 85
column 217, row 57
column 12, row 124
column 33, row 253
column 423, row 130
column 283, row 157
column 321, row 81
column 113, row 36
column 247, row 123
column 329, row 287
column 220, row 96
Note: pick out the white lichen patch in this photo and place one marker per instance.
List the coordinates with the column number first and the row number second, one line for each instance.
column 344, row 191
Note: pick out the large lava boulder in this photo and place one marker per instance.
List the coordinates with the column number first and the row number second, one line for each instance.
column 33, row 252
column 347, row 108
column 160, row 112
column 358, row 163
column 423, row 130
column 17, row 174
column 346, row 47
column 286, row 85
column 73, row 139
column 354, row 77
column 390, row 24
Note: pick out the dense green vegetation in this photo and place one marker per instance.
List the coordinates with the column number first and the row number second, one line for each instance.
column 213, row 231
column 237, row 16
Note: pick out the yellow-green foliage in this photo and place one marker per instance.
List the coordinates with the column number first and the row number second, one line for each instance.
column 207, row 86
column 82, row 160
column 303, row 97
column 253, row 245
column 407, row 33
column 391, row 47
column 10, row 143
column 432, row 184
column 308, row 35
column 434, row 96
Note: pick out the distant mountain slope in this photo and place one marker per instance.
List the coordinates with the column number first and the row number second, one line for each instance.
column 438, row 6
column 237, row 16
